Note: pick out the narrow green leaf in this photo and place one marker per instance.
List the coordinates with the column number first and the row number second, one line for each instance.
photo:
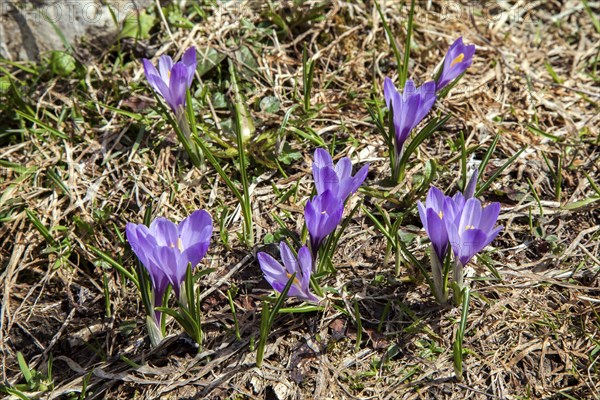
column 184, row 322
column 308, row 67
column 498, row 172
column 105, row 257
column 129, row 362
column 380, row 227
column 333, row 239
column 107, row 311
column 536, row 196
column 244, row 128
column 148, row 214
column 24, row 368
column 195, row 330
column 307, row 308
column 190, row 293
column 390, row 36
column 581, row 203
column 593, row 184
column 224, row 175
column 286, row 118
column 409, row 31
column 58, row 32
column 312, row 137
column 416, row 262
column 263, row 333
column 234, row 315
column 35, row 121
column 281, row 299
column 40, row 227
column 552, row 73
column 460, row 332
column 558, row 179
column 538, row 131
column 244, row 125
column 53, row 175
column 15, row 392
column 592, row 15
column 128, row 114
column 377, row 119
column 486, row 158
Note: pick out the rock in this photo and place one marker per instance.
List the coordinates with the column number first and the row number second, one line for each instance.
column 26, row 27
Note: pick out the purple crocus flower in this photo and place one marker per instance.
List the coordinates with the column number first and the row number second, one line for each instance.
column 458, row 59
column 432, row 218
column 166, row 249
column 440, row 208
column 337, row 178
column 322, row 214
column 472, row 185
column 409, row 108
column 473, row 229
column 141, row 241
column 278, row 275
column 454, row 205
column 171, row 81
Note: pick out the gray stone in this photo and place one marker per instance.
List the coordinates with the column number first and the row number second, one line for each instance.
column 26, row 27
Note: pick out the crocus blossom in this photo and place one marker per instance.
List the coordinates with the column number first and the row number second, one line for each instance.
column 474, row 230
column 472, row 185
column 439, row 208
column 166, row 249
column 409, row 108
column 171, row 81
column 141, row 243
column 322, row 214
column 458, row 58
column 336, row 178
column 278, row 275
column 432, row 217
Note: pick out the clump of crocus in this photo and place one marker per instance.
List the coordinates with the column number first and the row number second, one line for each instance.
column 171, row 80
column 166, row 249
column 336, row 178
column 278, row 275
column 458, row 58
column 407, row 111
column 334, row 184
column 460, row 223
column 322, row 214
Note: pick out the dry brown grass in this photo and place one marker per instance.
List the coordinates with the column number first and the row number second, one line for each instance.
column 535, row 334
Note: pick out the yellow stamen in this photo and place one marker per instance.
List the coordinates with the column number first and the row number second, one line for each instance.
column 179, row 244
column 469, row 227
column 458, row 59
column 323, row 212
column 296, row 281
column 169, row 74
column 441, row 214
